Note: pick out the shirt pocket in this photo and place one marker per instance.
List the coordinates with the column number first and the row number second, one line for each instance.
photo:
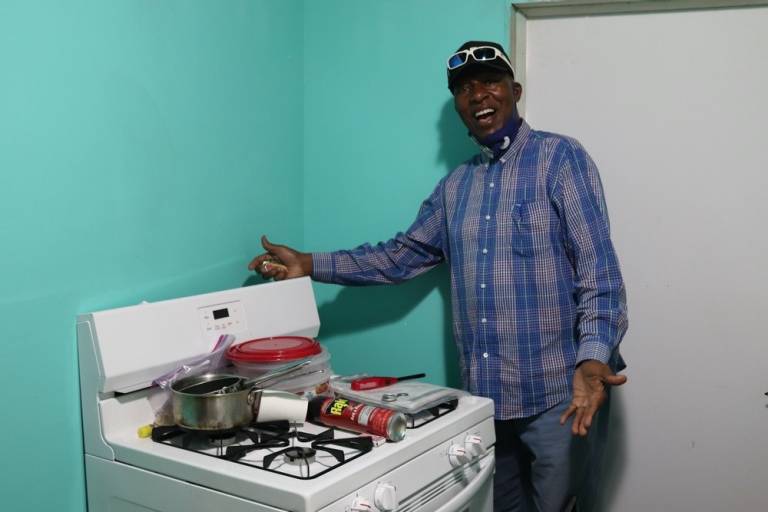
column 533, row 226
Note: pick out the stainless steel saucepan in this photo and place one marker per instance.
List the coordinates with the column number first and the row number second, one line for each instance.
column 218, row 401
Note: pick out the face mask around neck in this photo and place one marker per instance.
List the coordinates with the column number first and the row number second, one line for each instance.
column 497, row 143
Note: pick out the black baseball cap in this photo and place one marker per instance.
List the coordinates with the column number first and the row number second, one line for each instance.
column 458, row 63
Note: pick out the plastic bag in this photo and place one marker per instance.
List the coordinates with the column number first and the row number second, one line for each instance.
column 408, row 397
column 160, row 396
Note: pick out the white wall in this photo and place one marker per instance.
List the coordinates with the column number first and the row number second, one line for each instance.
column 673, row 107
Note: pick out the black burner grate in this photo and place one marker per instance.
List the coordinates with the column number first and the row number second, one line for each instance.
column 429, row 415
column 277, row 440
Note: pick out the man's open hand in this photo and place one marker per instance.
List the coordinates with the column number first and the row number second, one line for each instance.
column 589, row 382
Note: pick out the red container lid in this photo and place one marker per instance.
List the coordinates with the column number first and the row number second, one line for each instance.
column 279, row 348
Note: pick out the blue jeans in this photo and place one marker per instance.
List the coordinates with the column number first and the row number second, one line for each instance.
column 541, row 466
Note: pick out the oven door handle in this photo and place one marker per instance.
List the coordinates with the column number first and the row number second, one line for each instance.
column 468, row 493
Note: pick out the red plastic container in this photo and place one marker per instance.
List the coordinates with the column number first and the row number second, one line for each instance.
column 254, row 358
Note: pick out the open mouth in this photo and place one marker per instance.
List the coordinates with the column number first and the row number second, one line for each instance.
column 485, row 117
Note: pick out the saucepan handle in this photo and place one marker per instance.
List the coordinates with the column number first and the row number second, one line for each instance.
column 254, row 399
column 280, row 372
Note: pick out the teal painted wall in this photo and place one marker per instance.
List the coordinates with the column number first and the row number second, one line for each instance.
column 143, row 145
column 379, row 132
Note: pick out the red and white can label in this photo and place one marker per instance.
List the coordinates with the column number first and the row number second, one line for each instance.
column 350, row 415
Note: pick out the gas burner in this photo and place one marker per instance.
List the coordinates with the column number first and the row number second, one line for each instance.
column 220, row 440
column 299, row 455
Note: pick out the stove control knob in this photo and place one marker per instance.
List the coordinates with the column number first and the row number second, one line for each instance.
column 385, row 497
column 361, row 505
column 457, row 455
column 473, row 444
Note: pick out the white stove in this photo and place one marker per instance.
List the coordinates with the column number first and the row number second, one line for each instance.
column 444, row 464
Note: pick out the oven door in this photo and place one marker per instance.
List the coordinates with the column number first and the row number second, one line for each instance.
column 475, row 497
column 471, row 492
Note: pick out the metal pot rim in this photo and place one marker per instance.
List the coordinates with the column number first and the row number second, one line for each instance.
column 212, row 377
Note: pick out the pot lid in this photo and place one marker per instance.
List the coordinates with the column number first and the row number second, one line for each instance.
column 278, row 348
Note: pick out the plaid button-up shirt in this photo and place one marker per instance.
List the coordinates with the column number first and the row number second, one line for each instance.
column 535, row 282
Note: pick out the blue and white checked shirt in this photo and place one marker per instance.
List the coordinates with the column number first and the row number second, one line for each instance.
column 535, row 282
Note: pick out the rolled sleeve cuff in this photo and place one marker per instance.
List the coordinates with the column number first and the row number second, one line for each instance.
column 593, row 350
column 322, row 266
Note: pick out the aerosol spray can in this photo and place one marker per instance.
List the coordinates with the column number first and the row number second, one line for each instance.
column 349, row 415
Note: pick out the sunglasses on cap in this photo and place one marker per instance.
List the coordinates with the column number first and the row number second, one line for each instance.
column 479, row 54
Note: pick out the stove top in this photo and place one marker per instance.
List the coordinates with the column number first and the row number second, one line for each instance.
column 299, row 450
column 303, row 451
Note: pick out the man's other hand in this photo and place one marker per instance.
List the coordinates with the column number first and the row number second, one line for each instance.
column 281, row 262
column 589, row 382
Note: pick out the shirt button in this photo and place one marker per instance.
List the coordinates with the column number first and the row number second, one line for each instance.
column 483, row 320
column 487, row 217
column 485, row 355
column 491, row 185
column 485, row 251
column 482, row 285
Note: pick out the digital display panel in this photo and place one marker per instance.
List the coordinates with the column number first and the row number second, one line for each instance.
column 220, row 313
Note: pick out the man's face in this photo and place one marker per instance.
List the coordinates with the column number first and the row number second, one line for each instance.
column 485, row 100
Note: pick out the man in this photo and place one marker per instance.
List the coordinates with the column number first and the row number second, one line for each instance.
column 538, row 299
